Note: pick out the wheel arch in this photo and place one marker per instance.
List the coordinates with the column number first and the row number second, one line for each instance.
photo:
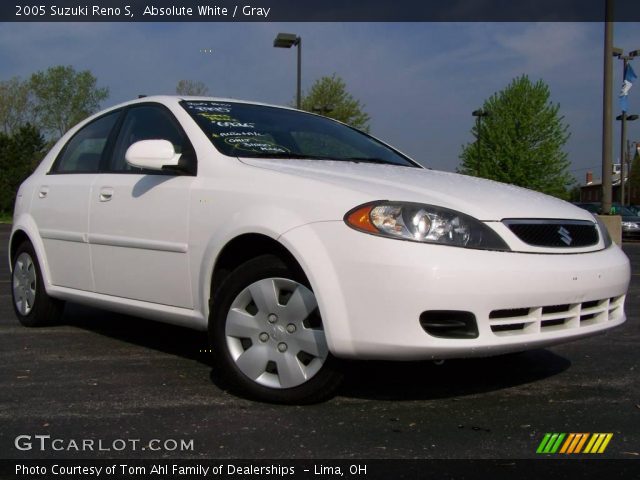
column 16, row 239
column 244, row 247
column 24, row 228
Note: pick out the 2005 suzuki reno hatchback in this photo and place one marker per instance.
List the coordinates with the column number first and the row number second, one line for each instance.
column 296, row 240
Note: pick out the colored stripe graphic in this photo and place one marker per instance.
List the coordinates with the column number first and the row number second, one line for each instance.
column 607, row 439
column 593, row 439
column 574, row 443
column 556, row 445
column 543, row 443
column 598, row 442
column 565, row 447
column 581, row 443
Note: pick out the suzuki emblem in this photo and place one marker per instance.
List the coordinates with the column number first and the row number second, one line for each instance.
column 565, row 236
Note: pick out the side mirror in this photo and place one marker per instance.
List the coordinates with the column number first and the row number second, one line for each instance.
column 152, row 154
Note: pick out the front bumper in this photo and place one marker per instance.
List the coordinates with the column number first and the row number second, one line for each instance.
column 372, row 290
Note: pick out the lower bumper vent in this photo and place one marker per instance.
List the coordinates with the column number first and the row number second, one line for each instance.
column 518, row 321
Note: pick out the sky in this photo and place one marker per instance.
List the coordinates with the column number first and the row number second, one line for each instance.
column 419, row 82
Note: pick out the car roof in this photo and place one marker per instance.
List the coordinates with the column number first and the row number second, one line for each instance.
column 190, row 98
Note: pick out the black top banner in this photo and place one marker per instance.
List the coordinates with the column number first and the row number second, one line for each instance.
column 316, row 11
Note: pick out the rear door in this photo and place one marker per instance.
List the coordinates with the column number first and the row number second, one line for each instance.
column 139, row 219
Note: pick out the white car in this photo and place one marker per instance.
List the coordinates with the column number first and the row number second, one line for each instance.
column 296, row 240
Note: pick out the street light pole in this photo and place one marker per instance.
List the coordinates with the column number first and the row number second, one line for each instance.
column 479, row 114
column 288, row 40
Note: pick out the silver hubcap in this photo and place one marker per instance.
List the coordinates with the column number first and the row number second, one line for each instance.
column 24, row 283
column 274, row 333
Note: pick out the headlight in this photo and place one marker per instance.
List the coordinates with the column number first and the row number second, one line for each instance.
column 423, row 223
column 606, row 238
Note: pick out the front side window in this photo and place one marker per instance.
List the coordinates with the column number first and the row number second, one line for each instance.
column 246, row 130
column 146, row 122
column 82, row 154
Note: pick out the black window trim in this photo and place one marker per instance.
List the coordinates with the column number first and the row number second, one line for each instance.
column 108, row 151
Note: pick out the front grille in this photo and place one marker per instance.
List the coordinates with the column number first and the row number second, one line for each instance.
column 554, row 233
column 527, row 320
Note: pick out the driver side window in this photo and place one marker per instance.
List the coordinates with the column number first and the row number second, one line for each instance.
column 146, row 122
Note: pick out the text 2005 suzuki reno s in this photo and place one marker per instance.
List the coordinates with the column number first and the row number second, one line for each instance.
column 296, row 240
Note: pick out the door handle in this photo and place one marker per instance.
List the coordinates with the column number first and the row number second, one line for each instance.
column 106, row 193
column 44, row 190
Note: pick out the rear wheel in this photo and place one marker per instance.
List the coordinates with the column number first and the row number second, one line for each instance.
column 32, row 305
column 267, row 335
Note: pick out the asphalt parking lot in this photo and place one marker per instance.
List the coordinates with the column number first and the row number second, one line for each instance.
column 104, row 376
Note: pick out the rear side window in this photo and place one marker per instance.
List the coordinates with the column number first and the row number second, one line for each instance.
column 82, row 154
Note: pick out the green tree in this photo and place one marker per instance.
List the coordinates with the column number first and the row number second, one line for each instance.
column 192, row 87
column 520, row 141
column 329, row 97
column 16, row 106
column 64, row 97
column 20, row 153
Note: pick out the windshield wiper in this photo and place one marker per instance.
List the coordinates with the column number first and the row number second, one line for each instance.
column 294, row 156
column 368, row 160
column 297, row 156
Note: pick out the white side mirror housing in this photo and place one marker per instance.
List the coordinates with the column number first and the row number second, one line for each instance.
column 152, row 154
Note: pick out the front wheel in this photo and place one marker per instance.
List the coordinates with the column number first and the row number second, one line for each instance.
column 267, row 335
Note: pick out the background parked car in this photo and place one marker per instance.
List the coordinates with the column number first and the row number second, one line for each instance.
column 629, row 214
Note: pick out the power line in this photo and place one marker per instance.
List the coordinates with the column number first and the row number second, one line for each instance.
column 584, row 168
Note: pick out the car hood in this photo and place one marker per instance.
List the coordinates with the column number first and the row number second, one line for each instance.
column 483, row 199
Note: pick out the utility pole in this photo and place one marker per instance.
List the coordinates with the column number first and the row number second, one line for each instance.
column 607, row 164
column 623, row 139
column 628, row 162
column 624, row 151
column 636, row 150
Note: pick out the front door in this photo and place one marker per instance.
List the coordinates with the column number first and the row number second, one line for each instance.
column 139, row 219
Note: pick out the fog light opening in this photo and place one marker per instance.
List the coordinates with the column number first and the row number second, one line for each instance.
column 455, row 324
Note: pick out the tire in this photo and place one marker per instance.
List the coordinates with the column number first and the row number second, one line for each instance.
column 267, row 337
column 31, row 303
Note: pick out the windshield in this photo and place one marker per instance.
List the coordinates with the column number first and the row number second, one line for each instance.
column 245, row 130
